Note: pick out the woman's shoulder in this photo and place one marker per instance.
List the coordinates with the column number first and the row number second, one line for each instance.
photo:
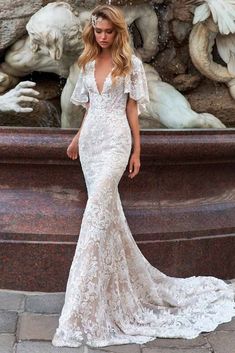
column 135, row 57
column 87, row 68
column 136, row 61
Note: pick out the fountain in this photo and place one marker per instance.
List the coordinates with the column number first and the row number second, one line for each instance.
column 182, row 201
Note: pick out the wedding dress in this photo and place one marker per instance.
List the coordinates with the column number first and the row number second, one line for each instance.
column 113, row 294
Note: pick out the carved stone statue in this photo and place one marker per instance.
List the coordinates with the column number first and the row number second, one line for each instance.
column 22, row 93
column 52, row 45
column 54, row 42
column 214, row 22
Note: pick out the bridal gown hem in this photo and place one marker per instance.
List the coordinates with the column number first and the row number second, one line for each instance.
column 114, row 295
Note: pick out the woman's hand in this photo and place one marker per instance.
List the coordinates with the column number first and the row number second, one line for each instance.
column 134, row 165
column 72, row 150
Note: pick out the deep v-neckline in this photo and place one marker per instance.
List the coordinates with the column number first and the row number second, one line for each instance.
column 105, row 79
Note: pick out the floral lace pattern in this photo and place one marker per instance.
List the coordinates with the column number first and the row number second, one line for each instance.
column 113, row 294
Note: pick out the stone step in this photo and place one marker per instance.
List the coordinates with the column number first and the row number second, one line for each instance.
column 8, row 321
column 49, row 303
column 10, row 300
column 7, row 341
column 33, row 326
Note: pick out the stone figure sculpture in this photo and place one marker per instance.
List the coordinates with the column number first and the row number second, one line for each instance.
column 22, row 93
column 214, row 22
column 52, row 45
column 54, row 42
column 171, row 108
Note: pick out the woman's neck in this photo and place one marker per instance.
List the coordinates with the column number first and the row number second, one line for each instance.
column 105, row 53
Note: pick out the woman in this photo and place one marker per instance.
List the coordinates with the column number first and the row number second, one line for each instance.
column 114, row 295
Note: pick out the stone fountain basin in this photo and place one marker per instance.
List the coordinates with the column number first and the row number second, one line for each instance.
column 180, row 208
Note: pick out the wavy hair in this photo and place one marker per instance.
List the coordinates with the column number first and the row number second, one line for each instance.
column 121, row 49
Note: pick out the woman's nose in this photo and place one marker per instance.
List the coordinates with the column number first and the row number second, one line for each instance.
column 103, row 35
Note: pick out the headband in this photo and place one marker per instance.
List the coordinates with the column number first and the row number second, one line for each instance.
column 95, row 19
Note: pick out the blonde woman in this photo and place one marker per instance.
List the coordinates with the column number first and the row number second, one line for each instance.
column 113, row 294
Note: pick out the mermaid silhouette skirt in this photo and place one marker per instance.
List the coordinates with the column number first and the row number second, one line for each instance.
column 113, row 294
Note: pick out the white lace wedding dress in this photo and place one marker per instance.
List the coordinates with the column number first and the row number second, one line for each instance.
column 113, row 294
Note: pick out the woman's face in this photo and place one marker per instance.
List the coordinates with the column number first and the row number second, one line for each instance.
column 104, row 32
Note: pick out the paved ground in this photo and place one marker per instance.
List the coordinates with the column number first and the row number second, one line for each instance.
column 28, row 321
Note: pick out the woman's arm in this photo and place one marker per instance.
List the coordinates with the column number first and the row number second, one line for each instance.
column 72, row 150
column 132, row 115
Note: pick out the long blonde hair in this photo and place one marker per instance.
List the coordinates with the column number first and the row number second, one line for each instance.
column 121, row 49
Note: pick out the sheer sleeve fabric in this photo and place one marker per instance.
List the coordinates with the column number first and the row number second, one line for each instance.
column 136, row 85
column 80, row 95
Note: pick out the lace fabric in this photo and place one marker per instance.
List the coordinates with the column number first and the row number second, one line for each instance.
column 113, row 294
column 136, row 85
column 80, row 94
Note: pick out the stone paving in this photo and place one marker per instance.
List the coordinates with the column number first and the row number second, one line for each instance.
column 28, row 321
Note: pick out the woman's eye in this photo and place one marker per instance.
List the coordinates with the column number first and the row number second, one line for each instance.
column 108, row 32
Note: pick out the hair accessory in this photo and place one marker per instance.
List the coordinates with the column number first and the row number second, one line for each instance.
column 94, row 19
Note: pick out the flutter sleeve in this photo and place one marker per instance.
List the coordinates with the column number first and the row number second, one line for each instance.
column 80, row 95
column 136, row 85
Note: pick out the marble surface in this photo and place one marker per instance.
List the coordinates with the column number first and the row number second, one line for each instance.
column 180, row 208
